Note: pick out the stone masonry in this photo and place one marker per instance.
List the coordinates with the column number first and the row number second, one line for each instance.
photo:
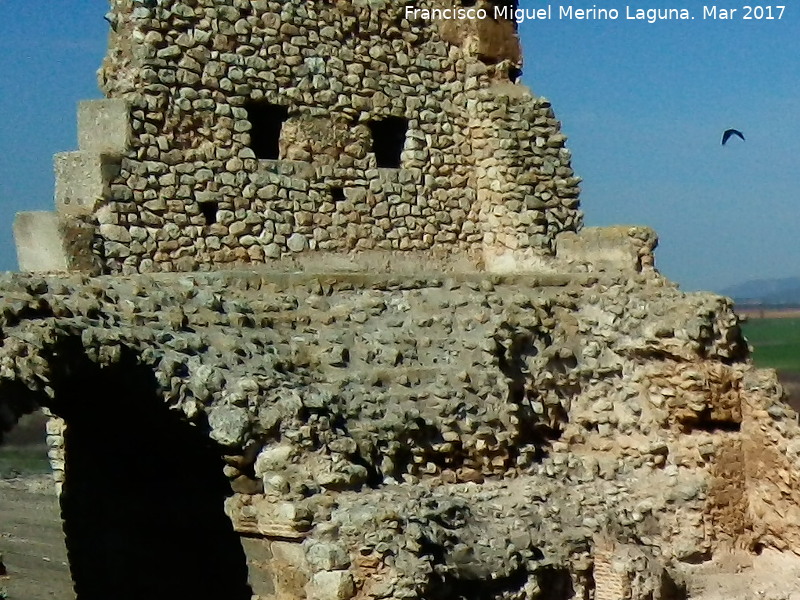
column 341, row 252
column 242, row 132
column 418, row 436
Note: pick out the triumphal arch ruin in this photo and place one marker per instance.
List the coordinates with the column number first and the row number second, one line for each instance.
column 316, row 317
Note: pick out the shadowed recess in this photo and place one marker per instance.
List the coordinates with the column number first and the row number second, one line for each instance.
column 388, row 139
column 267, row 121
column 143, row 495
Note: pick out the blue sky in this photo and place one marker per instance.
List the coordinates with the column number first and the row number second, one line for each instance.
column 643, row 105
column 50, row 51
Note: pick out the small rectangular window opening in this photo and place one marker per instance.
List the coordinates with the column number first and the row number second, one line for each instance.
column 337, row 194
column 209, row 208
column 266, row 120
column 388, row 139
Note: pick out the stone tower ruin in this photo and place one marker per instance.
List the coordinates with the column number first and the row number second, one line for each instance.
column 315, row 317
column 241, row 133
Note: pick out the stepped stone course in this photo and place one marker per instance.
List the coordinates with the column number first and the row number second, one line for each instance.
column 344, row 250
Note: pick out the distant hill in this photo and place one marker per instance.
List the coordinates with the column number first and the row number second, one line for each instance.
column 766, row 292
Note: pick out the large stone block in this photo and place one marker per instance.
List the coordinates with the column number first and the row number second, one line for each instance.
column 47, row 242
column 330, row 585
column 104, row 126
column 259, row 566
column 619, row 248
column 82, row 178
column 39, row 242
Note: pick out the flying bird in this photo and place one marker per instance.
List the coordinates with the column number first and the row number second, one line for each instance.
column 726, row 135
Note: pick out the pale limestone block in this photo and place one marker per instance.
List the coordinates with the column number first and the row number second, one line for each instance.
column 82, row 179
column 104, row 126
column 39, row 242
column 330, row 585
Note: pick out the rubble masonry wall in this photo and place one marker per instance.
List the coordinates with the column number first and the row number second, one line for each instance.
column 483, row 168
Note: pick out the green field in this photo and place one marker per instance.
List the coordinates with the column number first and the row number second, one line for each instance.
column 775, row 342
column 18, row 461
column 24, row 451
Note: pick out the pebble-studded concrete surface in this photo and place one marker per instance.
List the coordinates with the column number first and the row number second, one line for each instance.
column 414, row 434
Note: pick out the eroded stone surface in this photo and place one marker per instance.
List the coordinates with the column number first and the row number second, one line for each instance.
column 412, row 437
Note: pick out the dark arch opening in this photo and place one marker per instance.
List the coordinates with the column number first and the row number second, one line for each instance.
column 143, row 494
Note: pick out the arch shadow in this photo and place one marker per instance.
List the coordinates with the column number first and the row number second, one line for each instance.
column 143, row 494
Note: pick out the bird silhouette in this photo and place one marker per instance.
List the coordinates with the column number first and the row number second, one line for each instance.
column 726, row 135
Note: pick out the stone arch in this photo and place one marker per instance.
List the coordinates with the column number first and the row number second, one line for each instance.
column 142, row 501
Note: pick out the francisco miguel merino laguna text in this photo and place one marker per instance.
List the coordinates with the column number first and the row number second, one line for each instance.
column 546, row 13
column 651, row 15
